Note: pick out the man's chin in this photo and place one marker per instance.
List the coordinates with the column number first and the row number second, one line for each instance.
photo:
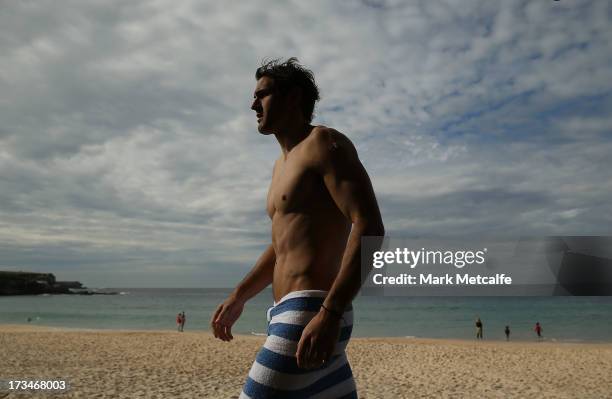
column 263, row 130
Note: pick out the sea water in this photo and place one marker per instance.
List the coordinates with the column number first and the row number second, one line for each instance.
column 562, row 318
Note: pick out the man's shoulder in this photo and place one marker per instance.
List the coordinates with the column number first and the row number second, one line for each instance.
column 324, row 141
column 327, row 134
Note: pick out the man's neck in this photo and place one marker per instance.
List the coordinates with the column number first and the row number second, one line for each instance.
column 291, row 135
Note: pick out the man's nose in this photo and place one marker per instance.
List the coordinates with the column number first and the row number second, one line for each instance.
column 255, row 105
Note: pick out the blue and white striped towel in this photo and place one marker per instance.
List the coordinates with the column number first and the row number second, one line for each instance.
column 275, row 373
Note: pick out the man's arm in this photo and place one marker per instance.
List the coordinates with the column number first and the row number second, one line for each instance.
column 350, row 187
column 258, row 278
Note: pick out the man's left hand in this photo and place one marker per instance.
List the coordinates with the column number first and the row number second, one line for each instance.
column 318, row 340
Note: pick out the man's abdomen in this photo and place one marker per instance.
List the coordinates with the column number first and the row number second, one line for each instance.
column 308, row 251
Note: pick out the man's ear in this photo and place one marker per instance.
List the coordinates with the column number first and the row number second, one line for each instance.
column 294, row 96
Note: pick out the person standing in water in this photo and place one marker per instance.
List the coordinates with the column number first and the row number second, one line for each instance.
column 507, row 331
column 478, row 328
column 179, row 320
column 538, row 330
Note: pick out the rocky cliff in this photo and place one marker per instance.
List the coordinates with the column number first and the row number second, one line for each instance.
column 24, row 283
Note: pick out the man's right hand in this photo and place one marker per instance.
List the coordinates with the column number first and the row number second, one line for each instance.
column 224, row 318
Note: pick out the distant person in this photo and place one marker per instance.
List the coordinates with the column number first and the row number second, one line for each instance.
column 183, row 319
column 179, row 321
column 538, row 330
column 507, row 331
column 478, row 328
column 29, row 319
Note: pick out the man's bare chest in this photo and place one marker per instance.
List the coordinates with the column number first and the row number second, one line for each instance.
column 293, row 188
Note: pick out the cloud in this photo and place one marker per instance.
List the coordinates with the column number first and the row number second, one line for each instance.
column 127, row 143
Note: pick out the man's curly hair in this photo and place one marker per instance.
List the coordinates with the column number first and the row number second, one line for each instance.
column 288, row 75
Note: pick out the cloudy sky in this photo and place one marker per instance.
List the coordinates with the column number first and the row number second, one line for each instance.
column 129, row 156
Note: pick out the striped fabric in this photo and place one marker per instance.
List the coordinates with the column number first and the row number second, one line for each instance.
column 275, row 373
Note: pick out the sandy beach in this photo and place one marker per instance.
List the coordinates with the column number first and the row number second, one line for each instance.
column 168, row 364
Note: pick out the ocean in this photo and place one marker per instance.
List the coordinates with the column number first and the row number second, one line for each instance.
column 568, row 319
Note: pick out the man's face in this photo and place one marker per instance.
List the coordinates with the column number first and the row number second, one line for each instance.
column 268, row 105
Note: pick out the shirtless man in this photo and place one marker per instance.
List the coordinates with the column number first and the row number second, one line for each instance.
column 321, row 204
